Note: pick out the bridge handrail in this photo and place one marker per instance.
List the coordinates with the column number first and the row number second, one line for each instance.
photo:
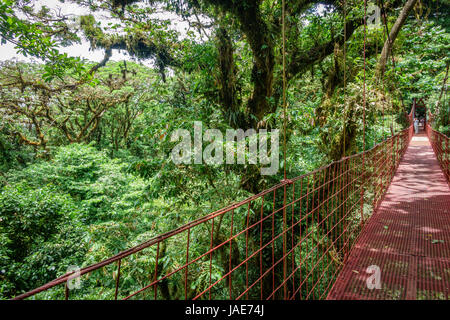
column 440, row 144
column 329, row 215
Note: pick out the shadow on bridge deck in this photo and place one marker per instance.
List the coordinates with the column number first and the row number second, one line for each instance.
column 408, row 237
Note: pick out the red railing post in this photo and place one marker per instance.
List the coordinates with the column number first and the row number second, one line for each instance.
column 273, row 244
column 186, row 268
column 447, row 156
column 155, row 288
column 284, row 244
column 391, row 155
column 300, row 239
column 246, row 250
column 260, row 250
column 66, row 291
column 292, row 240
column 362, row 190
column 229, row 260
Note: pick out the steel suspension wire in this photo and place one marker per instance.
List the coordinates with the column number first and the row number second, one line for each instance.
column 386, row 35
column 345, row 74
column 283, row 14
column 382, row 80
column 377, row 83
column 383, row 11
column 444, row 82
column 446, row 103
column 364, row 112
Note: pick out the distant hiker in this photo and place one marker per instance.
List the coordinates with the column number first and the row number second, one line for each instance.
column 416, row 125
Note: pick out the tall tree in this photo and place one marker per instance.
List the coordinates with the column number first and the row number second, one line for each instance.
column 387, row 48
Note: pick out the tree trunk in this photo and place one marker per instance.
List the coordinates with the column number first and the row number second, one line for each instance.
column 393, row 35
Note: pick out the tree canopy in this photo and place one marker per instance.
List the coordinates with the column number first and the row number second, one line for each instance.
column 85, row 168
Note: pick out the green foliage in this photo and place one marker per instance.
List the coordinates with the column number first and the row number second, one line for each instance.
column 425, row 54
column 12, row 153
column 99, row 184
column 40, row 232
column 85, row 168
column 35, row 39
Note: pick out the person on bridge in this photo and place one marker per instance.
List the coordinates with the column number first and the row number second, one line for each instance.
column 416, row 125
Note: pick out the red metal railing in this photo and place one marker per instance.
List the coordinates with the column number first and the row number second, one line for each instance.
column 287, row 242
column 440, row 144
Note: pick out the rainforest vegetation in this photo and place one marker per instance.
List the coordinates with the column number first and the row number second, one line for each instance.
column 85, row 167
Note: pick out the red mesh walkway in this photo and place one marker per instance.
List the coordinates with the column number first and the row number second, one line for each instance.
column 408, row 237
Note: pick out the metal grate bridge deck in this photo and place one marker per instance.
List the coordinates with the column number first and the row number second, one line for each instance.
column 408, row 237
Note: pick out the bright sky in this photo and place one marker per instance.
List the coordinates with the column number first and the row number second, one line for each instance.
column 8, row 52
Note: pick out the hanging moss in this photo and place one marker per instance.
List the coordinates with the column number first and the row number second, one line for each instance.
column 138, row 44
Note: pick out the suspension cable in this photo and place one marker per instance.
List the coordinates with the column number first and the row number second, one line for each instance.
column 383, row 10
column 364, row 84
column 364, row 114
column 345, row 74
column 377, row 84
column 382, row 78
column 444, row 82
column 386, row 29
column 284, row 85
column 376, row 113
column 446, row 104
column 283, row 13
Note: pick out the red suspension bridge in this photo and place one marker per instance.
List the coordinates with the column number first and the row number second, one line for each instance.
column 311, row 237
column 374, row 225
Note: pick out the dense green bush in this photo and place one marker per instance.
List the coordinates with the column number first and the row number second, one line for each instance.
column 98, row 184
column 40, row 233
column 51, row 210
